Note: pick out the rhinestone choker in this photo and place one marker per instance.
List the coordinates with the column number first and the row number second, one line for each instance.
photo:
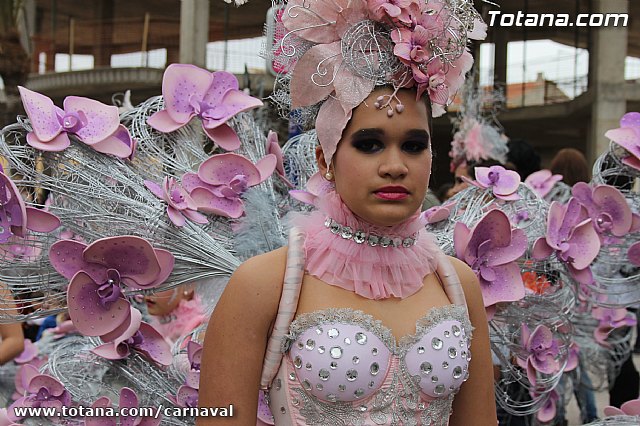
column 361, row 237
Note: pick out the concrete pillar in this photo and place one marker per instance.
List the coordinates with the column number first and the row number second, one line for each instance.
column 102, row 48
column 606, row 74
column 194, row 31
column 500, row 40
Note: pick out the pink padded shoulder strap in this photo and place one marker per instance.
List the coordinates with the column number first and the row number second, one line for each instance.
column 288, row 306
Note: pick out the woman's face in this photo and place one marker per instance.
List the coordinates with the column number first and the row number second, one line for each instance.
column 382, row 164
column 163, row 302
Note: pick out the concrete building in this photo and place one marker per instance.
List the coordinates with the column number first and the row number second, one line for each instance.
column 104, row 29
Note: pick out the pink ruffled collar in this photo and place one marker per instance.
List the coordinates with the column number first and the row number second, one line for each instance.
column 372, row 272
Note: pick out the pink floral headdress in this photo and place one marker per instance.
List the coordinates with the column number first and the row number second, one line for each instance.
column 334, row 53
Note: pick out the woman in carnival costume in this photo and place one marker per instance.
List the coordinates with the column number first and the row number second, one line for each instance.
column 361, row 319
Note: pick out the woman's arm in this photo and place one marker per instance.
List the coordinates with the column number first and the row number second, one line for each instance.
column 476, row 398
column 11, row 336
column 236, row 338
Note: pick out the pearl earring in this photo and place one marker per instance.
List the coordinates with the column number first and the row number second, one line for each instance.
column 328, row 176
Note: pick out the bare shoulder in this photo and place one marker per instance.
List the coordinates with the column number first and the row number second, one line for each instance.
column 261, row 277
column 470, row 284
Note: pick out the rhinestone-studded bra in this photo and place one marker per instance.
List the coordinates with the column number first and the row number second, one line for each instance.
column 342, row 366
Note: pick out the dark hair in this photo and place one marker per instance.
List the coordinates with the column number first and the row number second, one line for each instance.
column 441, row 192
column 523, row 157
column 572, row 165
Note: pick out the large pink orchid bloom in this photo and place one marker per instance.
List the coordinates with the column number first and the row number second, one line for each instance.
column 179, row 202
column 572, row 237
column 189, row 91
column 491, row 249
column 222, row 179
column 628, row 137
column 43, row 391
column 97, row 271
column 504, row 183
column 541, row 350
column 92, row 122
column 609, row 211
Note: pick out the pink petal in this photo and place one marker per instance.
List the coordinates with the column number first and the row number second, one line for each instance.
column 224, row 136
column 167, row 262
column 351, row 90
column 507, row 183
column 613, row 411
column 128, row 399
column 583, row 276
column 154, row 345
column 548, row 411
column 176, row 216
column 196, row 217
column 510, row 253
column 232, row 103
column 39, row 220
column 436, row 214
column 66, row 257
column 222, row 83
column 506, row 287
column 102, row 120
column 185, row 393
column 59, row 143
column 461, row 235
column 119, row 144
column 541, row 250
column 303, row 196
column 154, row 188
column 209, row 203
column 494, row 226
column 102, row 402
column 45, row 381
column 631, row 408
column 531, row 373
column 611, row 201
column 86, row 312
column 162, row 122
column 584, row 245
column 133, row 257
column 29, row 352
column 330, row 123
column 220, row 169
column 42, row 114
column 266, row 166
column 311, row 23
column 182, row 84
column 634, row 254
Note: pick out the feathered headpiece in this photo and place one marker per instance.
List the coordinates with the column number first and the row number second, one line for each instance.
column 477, row 134
column 332, row 54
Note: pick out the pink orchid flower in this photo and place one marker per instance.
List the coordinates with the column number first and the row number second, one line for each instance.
column 215, row 98
column 194, row 354
column 273, row 147
column 491, row 249
column 222, row 179
column 179, row 202
column 396, row 10
column 633, row 254
column 629, row 408
column 128, row 399
column 572, row 237
column 98, row 270
column 541, row 351
column 609, row 211
column 628, row 137
column 542, row 181
column 504, row 183
column 92, row 122
column 316, row 187
column 138, row 336
column 16, row 217
column 610, row 319
column 43, row 391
